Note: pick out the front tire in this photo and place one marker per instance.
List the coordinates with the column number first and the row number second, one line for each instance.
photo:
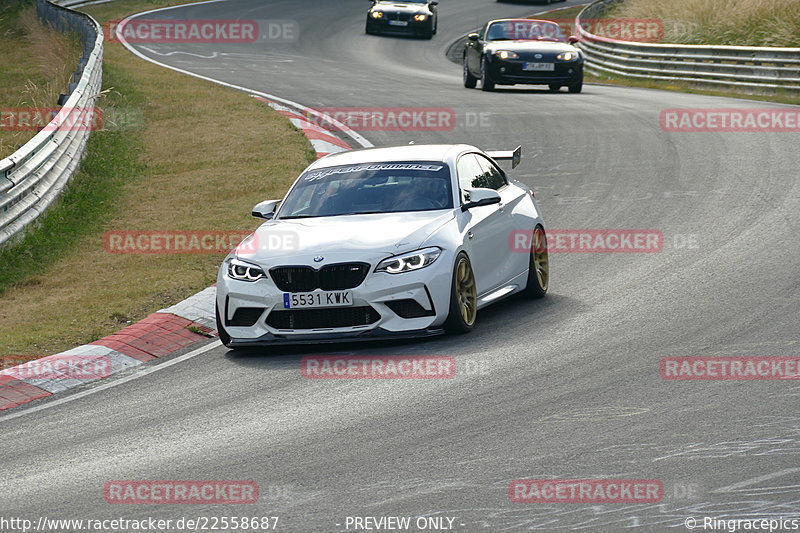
column 554, row 87
column 576, row 87
column 539, row 267
column 470, row 81
column 463, row 297
column 221, row 333
column 486, row 83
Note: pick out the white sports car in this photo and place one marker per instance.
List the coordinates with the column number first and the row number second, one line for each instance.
column 383, row 243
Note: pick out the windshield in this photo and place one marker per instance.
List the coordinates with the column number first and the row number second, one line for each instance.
column 524, row 30
column 369, row 188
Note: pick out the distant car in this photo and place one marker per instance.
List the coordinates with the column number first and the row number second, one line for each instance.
column 404, row 241
column 526, row 51
column 418, row 17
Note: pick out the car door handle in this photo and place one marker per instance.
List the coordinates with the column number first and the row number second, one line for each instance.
column 470, row 235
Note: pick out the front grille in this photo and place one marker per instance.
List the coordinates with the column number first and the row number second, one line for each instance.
column 334, row 277
column 408, row 309
column 245, row 316
column 333, row 317
column 399, row 16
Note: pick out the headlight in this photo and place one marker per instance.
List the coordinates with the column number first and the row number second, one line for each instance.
column 238, row 269
column 408, row 262
column 420, row 18
column 377, row 14
column 567, row 56
column 506, row 54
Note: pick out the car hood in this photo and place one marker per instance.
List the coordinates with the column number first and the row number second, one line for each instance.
column 544, row 47
column 341, row 238
column 400, row 7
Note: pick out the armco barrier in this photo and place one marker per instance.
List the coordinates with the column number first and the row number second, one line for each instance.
column 33, row 176
column 746, row 67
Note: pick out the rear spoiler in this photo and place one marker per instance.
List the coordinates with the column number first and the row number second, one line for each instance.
column 507, row 155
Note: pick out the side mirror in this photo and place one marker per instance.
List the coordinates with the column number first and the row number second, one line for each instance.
column 572, row 39
column 479, row 197
column 266, row 209
column 434, row 3
column 473, row 37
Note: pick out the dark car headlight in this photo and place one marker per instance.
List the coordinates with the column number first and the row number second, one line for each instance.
column 420, row 17
column 377, row 14
column 244, row 271
column 410, row 261
column 568, row 56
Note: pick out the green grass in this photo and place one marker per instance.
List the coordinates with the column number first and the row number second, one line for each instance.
column 35, row 66
column 195, row 156
column 773, row 23
column 111, row 161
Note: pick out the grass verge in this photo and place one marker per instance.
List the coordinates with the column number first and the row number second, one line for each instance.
column 36, row 62
column 195, row 156
column 725, row 22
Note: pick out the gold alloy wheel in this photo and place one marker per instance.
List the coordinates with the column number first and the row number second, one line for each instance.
column 540, row 259
column 466, row 291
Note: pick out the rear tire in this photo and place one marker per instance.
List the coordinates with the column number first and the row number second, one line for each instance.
column 463, row 297
column 470, row 81
column 486, row 83
column 539, row 267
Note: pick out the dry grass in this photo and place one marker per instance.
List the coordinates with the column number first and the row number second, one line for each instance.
column 35, row 65
column 731, row 22
column 205, row 155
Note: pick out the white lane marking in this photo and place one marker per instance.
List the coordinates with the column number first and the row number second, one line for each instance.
column 752, row 481
column 360, row 139
column 212, row 56
column 137, row 375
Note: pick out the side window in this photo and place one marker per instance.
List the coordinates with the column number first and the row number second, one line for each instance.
column 470, row 172
column 494, row 179
column 482, row 33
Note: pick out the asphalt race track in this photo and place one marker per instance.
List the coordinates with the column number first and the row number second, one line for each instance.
column 568, row 387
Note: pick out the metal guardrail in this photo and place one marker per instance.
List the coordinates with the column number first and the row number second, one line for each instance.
column 33, row 177
column 747, row 67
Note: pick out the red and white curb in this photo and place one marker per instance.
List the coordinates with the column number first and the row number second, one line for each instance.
column 323, row 141
column 160, row 334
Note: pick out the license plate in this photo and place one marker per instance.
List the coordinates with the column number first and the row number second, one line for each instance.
column 538, row 66
column 398, row 23
column 305, row 300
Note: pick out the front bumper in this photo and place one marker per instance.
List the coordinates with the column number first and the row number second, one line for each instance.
column 380, row 303
column 507, row 72
column 378, row 334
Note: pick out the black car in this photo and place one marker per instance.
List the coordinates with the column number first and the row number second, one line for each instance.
column 511, row 51
column 418, row 17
